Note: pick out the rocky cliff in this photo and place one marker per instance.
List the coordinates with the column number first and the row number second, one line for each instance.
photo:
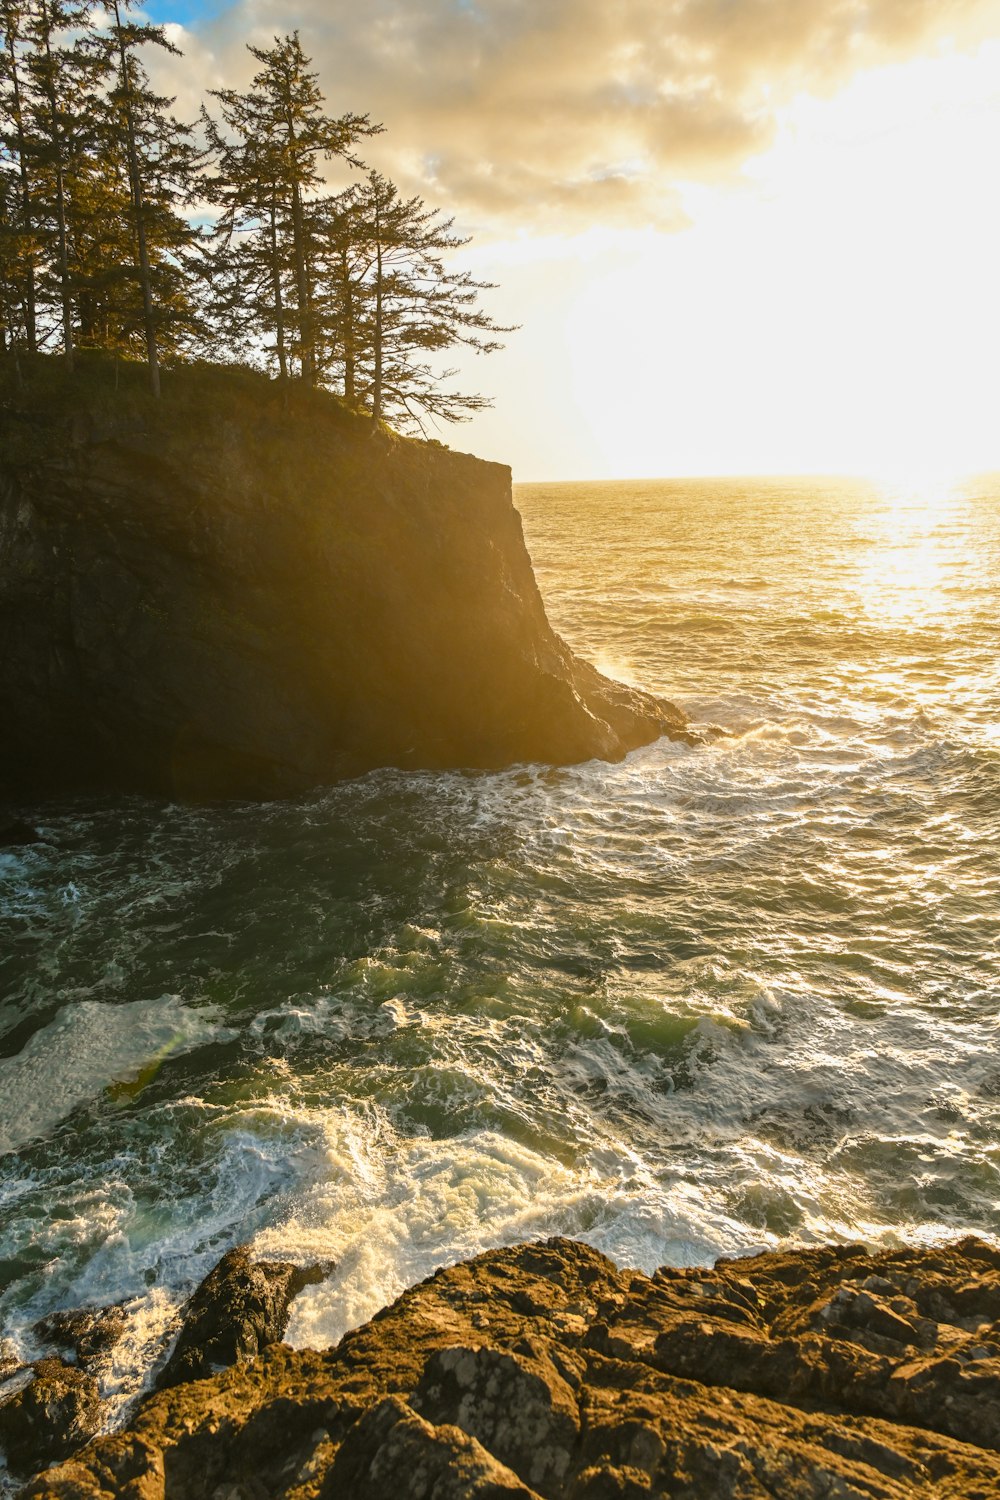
column 544, row 1373
column 240, row 590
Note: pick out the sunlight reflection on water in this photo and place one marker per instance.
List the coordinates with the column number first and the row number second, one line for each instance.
column 702, row 1000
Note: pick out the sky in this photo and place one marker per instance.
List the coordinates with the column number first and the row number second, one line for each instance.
column 739, row 236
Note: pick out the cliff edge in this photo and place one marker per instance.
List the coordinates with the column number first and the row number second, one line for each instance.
column 543, row 1372
column 248, row 590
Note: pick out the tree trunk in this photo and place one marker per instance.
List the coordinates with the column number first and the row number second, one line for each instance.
column 30, row 299
column 377, row 351
column 279, row 304
column 350, row 371
column 308, row 353
column 65, row 298
column 138, row 208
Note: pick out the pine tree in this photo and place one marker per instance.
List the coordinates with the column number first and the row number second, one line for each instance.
column 12, row 289
column 341, row 302
column 19, row 251
column 61, row 70
column 269, row 148
column 103, row 252
column 160, row 162
column 418, row 306
column 248, row 266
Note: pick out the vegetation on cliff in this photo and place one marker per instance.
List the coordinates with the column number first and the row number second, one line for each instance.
column 126, row 230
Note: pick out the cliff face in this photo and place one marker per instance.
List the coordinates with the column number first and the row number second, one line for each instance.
column 544, row 1373
column 235, row 593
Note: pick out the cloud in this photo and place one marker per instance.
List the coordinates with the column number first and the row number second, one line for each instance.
column 563, row 113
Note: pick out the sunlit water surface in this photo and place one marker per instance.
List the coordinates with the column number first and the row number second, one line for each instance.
column 707, row 1000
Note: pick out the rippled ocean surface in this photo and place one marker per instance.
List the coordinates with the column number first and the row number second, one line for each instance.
column 707, row 1000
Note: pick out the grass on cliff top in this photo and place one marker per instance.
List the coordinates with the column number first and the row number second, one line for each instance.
column 108, row 394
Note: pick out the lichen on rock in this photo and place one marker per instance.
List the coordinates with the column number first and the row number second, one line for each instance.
column 543, row 1372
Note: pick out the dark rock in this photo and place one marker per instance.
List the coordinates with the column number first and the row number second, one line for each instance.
column 239, row 1309
column 543, row 1371
column 50, row 1417
column 234, row 591
column 17, row 834
column 87, row 1333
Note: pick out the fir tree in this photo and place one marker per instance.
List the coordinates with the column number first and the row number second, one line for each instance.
column 419, row 306
column 19, row 251
column 269, row 148
column 161, row 163
column 61, row 71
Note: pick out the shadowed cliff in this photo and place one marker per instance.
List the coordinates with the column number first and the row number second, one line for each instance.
column 245, row 591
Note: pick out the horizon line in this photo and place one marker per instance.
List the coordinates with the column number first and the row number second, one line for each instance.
column 859, row 476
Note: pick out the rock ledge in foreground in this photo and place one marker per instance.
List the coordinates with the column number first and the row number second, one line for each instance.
column 544, row 1373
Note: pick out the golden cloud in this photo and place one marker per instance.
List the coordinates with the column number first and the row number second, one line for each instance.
column 562, row 113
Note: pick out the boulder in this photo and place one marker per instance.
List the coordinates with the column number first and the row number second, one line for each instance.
column 9, row 1361
column 53, row 1414
column 87, row 1333
column 16, row 834
column 239, row 1309
column 393, row 1452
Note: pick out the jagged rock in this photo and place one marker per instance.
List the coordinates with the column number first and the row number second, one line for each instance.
column 544, row 1371
column 392, row 1451
column 518, row 1405
column 239, row 1309
column 51, row 1416
column 238, row 591
column 85, row 1332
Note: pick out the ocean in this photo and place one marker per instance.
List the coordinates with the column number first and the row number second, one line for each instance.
column 712, row 999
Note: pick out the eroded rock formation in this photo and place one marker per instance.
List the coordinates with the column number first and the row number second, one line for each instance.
column 544, row 1373
column 240, row 1308
column 245, row 591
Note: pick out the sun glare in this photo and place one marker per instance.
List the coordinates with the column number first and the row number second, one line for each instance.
column 904, row 574
column 918, row 489
column 834, row 312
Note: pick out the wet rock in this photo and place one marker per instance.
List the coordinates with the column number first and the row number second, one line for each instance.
column 87, row 1333
column 9, row 1362
column 239, row 1309
column 545, row 1373
column 50, row 1417
column 17, row 833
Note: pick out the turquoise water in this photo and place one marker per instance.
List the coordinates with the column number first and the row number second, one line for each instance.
column 706, row 1000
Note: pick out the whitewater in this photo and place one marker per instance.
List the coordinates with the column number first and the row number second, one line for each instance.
column 715, row 998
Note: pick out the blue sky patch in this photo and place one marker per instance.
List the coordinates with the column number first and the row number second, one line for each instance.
column 183, row 12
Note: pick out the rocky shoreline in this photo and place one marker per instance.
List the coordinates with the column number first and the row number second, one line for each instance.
column 543, row 1372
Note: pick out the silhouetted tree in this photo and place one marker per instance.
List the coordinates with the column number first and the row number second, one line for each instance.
column 161, row 163
column 418, row 306
column 19, row 251
column 268, row 148
column 61, row 71
column 12, row 285
column 354, row 289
